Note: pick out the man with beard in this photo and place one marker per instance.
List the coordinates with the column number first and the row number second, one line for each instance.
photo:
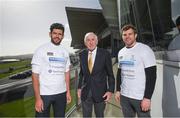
column 50, row 75
column 136, row 76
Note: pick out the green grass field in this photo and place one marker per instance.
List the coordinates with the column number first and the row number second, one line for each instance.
column 14, row 64
column 25, row 107
column 14, row 67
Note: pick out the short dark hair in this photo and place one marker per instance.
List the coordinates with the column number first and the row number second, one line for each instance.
column 178, row 21
column 57, row 26
column 127, row 27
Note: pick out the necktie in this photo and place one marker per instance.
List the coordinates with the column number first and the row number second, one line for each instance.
column 90, row 65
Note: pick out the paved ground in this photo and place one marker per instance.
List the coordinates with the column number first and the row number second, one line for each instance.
column 113, row 108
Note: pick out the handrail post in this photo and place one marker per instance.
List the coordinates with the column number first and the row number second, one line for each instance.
column 76, row 86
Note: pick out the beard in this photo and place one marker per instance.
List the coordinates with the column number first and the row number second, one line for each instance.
column 56, row 43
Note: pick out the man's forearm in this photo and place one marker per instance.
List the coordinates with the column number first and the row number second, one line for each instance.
column 150, row 81
column 35, row 81
column 80, row 78
column 67, row 79
column 118, row 80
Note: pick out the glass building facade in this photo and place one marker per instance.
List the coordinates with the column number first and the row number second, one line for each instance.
column 155, row 21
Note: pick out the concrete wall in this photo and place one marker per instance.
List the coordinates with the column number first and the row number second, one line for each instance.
column 166, row 97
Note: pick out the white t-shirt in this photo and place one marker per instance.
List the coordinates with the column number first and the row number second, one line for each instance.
column 51, row 62
column 132, row 62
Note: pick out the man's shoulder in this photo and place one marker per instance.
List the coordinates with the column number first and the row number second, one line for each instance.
column 42, row 47
column 63, row 48
column 102, row 50
column 45, row 45
column 83, row 51
column 122, row 50
column 143, row 46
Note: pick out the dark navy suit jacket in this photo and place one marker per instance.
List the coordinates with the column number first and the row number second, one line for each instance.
column 100, row 80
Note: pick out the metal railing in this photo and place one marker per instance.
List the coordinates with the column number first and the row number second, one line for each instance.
column 17, row 96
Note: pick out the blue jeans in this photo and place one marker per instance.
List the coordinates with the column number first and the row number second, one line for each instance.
column 58, row 103
column 131, row 107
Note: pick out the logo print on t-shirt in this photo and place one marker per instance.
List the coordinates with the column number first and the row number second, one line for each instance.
column 50, row 71
column 50, row 54
column 57, row 59
column 57, row 65
column 127, row 60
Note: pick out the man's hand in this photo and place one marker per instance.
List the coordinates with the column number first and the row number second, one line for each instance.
column 68, row 97
column 107, row 95
column 79, row 93
column 117, row 96
column 39, row 106
column 145, row 104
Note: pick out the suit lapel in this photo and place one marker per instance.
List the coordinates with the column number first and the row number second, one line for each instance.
column 96, row 60
column 86, row 60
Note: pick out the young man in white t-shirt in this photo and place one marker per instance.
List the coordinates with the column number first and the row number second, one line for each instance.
column 136, row 75
column 50, row 75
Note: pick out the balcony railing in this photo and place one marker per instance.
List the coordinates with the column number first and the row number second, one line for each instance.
column 17, row 97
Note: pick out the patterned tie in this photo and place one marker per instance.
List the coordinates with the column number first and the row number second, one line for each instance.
column 90, row 65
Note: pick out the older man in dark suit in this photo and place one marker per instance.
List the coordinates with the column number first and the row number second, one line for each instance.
column 96, row 79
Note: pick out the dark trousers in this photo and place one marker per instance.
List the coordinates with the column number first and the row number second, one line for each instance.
column 87, row 107
column 58, row 103
column 131, row 107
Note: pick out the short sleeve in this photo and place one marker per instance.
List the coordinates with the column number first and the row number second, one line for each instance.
column 148, row 57
column 68, row 63
column 36, row 62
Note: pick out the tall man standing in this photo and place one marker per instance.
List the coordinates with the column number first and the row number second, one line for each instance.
column 136, row 75
column 50, row 75
column 96, row 79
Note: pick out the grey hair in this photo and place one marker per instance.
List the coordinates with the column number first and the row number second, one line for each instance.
column 90, row 33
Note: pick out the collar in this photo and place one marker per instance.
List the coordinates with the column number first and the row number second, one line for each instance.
column 93, row 51
column 54, row 44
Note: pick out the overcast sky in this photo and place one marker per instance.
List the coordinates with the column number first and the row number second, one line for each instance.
column 24, row 24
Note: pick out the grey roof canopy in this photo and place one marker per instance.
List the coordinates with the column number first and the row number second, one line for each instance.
column 83, row 20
